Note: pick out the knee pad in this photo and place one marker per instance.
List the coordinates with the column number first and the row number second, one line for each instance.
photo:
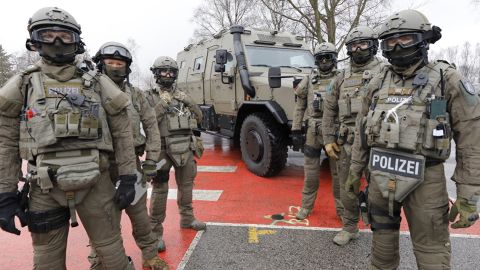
column 162, row 176
column 45, row 221
column 311, row 152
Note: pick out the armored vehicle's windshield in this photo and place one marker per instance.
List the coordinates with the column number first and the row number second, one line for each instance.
column 279, row 57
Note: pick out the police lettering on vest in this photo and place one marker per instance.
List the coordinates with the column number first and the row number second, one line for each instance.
column 397, row 163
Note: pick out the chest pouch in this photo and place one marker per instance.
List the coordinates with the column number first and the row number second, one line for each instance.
column 178, row 149
column 178, row 121
column 395, row 173
column 317, row 103
column 437, row 135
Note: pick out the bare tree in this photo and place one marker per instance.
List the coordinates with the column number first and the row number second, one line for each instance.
column 135, row 76
column 466, row 58
column 331, row 20
column 215, row 15
column 5, row 66
column 271, row 17
column 21, row 60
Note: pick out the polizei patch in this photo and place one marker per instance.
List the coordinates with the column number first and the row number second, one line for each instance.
column 397, row 163
column 397, row 99
column 62, row 89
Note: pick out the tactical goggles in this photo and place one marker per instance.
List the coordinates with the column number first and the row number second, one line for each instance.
column 404, row 40
column 324, row 57
column 49, row 35
column 359, row 44
column 163, row 72
column 117, row 51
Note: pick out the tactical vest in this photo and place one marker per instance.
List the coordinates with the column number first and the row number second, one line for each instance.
column 134, row 110
column 61, row 116
column 352, row 89
column 316, row 93
column 175, row 122
column 411, row 116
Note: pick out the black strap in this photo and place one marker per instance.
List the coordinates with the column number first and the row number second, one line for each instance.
column 312, row 152
column 45, row 221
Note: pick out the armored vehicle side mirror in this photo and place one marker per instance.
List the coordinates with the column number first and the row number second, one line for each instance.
column 221, row 57
column 274, row 77
column 219, row 68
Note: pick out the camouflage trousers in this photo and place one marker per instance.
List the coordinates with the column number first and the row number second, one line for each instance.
column 184, row 177
column 99, row 216
column 351, row 212
column 426, row 210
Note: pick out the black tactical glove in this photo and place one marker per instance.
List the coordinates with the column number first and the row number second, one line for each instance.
column 297, row 139
column 196, row 132
column 125, row 191
column 9, row 208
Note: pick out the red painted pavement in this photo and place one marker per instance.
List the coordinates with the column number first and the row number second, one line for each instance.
column 246, row 198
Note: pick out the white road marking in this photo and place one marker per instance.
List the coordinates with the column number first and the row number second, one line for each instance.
column 198, row 194
column 190, row 250
column 218, row 169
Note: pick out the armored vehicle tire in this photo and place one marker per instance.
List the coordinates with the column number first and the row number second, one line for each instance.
column 263, row 143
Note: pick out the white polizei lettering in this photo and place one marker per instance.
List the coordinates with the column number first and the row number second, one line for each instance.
column 402, row 164
column 383, row 162
column 390, row 167
column 376, row 158
column 410, row 167
column 417, row 167
column 396, row 164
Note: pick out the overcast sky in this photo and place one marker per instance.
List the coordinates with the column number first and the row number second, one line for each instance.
column 164, row 27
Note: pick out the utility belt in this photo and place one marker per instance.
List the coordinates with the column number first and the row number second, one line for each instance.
column 67, row 176
column 396, row 173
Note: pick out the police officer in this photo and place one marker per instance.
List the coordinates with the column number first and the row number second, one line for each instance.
column 65, row 121
column 412, row 110
column 114, row 60
column 344, row 102
column 177, row 116
column 310, row 93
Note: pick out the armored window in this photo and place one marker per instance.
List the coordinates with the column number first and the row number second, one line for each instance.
column 198, row 64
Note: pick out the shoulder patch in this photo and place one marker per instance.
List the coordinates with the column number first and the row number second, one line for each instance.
column 468, row 87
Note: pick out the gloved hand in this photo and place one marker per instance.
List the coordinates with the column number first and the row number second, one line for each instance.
column 332, row 149
column 149, row 168
column 9, row 208
column 125, row 191
column 196, row 132
column 465, row 209
column 297, row 139
column 352, row 185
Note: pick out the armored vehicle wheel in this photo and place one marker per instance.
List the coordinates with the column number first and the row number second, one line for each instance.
column 263, row 143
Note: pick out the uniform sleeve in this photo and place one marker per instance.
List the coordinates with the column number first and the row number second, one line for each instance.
column 330, row 111
column 122, row 136
column 150, row 126
column 194, row 108
column 360, row 153
column 300, row 105
column 10, row 162
column 464, row 108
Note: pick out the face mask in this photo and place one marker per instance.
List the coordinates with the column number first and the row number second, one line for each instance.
column 361, row 56
column 326, row 67
column 59, row 52
column 405, row 57
column 165, row 81
column 117, row 75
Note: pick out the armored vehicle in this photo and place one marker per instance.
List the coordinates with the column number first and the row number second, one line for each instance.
column 228, row 76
